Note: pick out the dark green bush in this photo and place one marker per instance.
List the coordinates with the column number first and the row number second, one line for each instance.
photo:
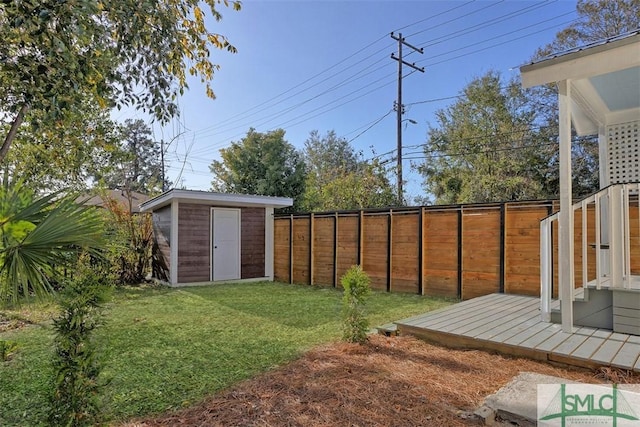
column 356, row 289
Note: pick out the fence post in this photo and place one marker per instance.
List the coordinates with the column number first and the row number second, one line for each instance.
column 360, row 236
column 291, row 249
column 389, row 248
column 460, row 252
column 420, row 251
column 335, row 250
column 311, row 221
column 503, row 225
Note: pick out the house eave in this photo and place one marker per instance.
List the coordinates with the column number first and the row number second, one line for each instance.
column 600, row 59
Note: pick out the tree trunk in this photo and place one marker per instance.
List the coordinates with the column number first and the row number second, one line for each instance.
column 11, row 135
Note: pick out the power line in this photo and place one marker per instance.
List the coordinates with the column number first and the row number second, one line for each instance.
column 356, row 76
column 447, row 60
column 374, row 123
column 486, row 24
column 497, row 37
column 456, row 18
column 341, row 62
column 397, row 30
column 346, row 81
column 244, row 113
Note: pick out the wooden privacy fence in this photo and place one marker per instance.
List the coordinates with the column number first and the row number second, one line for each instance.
column 459, row 251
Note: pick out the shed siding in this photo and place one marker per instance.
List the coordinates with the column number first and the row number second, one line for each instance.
column 194, row 247
column 252, row 243
column 162, row 235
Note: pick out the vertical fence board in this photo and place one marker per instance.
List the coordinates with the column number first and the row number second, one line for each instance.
column 348, row 246
column 281, row 267
column 301, row 249
column 323, row 251
column 441, row 252
column 374, row 249
column 405, row 252
column 481, row 252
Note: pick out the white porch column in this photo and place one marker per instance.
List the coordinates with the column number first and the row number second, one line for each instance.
column 565, row 223
column 603, row 155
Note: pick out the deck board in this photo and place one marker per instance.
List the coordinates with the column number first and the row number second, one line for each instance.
column 489, row 330
column 512, row 324
column 569, row 345
column 541, row 336
column 527, row 333
column 607, row 351
column 627, row 355
column 477, row 310
column 509, row 333
column 588, row 347
column 485, row 315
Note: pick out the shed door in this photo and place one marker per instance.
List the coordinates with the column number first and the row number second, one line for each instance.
column 225, row 262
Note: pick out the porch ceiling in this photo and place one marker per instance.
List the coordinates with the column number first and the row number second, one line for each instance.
column 604, row 78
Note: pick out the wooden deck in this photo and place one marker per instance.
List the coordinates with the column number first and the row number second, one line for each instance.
column 511, row 324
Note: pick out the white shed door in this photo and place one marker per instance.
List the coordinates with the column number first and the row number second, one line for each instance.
column 225, row 228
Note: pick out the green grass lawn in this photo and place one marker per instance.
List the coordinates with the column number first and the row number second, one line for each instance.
column 163, row 349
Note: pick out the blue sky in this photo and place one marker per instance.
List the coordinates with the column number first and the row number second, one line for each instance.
column 325, row 65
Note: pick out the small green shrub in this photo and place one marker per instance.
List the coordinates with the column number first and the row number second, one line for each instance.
column 7, row 349
column 356, row 289
column 74, row 401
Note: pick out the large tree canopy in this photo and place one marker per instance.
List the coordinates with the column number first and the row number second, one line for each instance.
column 51, row 159
column 485, row 146
column 261, row 163
column 338, row 178
column 54, row 54
column 498, row 142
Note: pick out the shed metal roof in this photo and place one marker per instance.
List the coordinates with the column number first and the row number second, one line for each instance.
column 217, row 199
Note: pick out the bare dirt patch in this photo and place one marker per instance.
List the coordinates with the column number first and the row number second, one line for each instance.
column 390, row 381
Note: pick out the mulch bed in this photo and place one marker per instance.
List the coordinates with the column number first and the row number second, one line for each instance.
column 390, row 381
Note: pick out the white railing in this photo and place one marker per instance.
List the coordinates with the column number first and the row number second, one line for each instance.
column 611, row 232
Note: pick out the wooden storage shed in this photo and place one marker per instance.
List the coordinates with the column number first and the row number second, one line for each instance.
column 206, row 237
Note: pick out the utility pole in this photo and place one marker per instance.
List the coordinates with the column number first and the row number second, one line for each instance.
column 162, row 164
column 398, row 107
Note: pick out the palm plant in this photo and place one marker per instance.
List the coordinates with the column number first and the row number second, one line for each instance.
column 38, row 236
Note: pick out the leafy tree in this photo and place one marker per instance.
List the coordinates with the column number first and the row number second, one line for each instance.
column 327, row 157
column 135, row 163
column 55, row 54
column 261, row 163
column 525, row 165
column 596, row 20
column 338, row 177
column 485, row 146
column 38, row 234
column 62, row 157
